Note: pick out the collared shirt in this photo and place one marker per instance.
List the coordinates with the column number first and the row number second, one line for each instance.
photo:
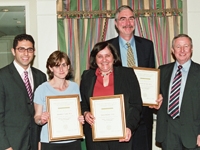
column 184, row 70
column 21, row 72
column 124, row 49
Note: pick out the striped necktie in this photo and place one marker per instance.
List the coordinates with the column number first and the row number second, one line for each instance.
column 28, row 85
column 175, row 94
column 130, row 56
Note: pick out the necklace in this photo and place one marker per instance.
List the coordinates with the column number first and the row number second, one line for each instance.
column 105, row 74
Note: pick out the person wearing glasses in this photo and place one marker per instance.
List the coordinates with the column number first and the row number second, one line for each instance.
column 143, row 56
column 18, row 80
column 59, row 72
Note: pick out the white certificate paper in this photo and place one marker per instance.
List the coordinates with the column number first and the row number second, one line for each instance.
column 64, row 112
column 149, row 80
column 109, row 118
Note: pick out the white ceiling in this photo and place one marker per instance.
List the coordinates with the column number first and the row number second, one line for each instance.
column 12, row 22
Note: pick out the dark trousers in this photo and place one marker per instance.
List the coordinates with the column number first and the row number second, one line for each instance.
column 173, row 140
column 104, row 145
column 62, row 146
column 142, row 137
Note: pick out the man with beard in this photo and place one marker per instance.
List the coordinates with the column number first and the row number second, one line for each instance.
column 143, row 56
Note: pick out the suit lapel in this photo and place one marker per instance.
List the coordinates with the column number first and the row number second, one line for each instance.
column 35, row 81
column 117, row 80
column 166, row 77
column 17, row 78
column 190, row 81
column 91, row 83
column 139, row 47
column 115, row 43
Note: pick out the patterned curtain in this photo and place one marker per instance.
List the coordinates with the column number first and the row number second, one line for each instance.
column 77, row 37
column 82, row 23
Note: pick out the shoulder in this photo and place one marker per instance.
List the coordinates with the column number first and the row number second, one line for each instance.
column 195, row 65
column 43, row 86
column 166, row 66
column 143, row 40
column 72, row 83
column 88, row 73
column 113, row 40
column 35, row 70
column 123, row 70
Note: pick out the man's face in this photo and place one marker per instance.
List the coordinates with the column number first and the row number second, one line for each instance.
column 125, row 23
column 182, row 49
column 24, row 58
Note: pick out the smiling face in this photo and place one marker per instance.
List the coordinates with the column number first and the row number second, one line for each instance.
column 104, row 60
column 23, row 58
column 125, row 23
column 60, row 71
column 182, row 49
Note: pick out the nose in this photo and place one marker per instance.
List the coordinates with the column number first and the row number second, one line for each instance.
column 26, row 52
column 61, row 67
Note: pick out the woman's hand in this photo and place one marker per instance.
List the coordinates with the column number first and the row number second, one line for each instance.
column 44, row 117
column 81, row 119
column 159, row 101
column 198, row 140
column 89, row 117
column 128, row 136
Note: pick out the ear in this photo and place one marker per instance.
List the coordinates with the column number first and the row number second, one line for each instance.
column 13, row 51
column 50, row 69
column 68, row 66
column 116, row 23
column 172, row 50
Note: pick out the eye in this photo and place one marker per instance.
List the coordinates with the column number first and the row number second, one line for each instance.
column 21, row 48
column 99, row 56
column 30, row 49
column 131, row 18
column 64, row 65
column 122, row 19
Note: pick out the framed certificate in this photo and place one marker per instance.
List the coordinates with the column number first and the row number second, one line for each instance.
column 63, row 123
column 109, row 116
column 149, row 80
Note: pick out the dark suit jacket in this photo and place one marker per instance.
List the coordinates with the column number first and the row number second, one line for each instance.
column 125, row 82
column 190, row 107
column 145, row 55
column 17, row 127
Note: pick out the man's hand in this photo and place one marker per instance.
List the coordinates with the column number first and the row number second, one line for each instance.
column 159, row 101
column 128, row 136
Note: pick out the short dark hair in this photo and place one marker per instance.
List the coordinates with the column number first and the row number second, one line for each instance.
column 54, row 60
column 182, row 35
column 22, row 37
column 100, row 46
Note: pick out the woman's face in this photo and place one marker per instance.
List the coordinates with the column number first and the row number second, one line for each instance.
column 105, row 60
column 60, row 71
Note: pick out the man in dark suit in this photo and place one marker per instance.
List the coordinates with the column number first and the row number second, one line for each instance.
column 180, row 129
column 17, row 128
column 143, row 51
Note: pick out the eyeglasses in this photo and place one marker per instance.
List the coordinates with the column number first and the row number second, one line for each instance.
column 22, row 49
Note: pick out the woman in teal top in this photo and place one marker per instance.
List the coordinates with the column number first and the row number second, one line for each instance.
column 59, row 71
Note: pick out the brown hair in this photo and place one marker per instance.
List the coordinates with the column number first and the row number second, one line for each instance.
column 54, row 60
column 100, row 46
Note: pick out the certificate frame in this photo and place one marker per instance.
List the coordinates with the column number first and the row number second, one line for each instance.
column 110, row 121
column 149, row 81
column 63, row 122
